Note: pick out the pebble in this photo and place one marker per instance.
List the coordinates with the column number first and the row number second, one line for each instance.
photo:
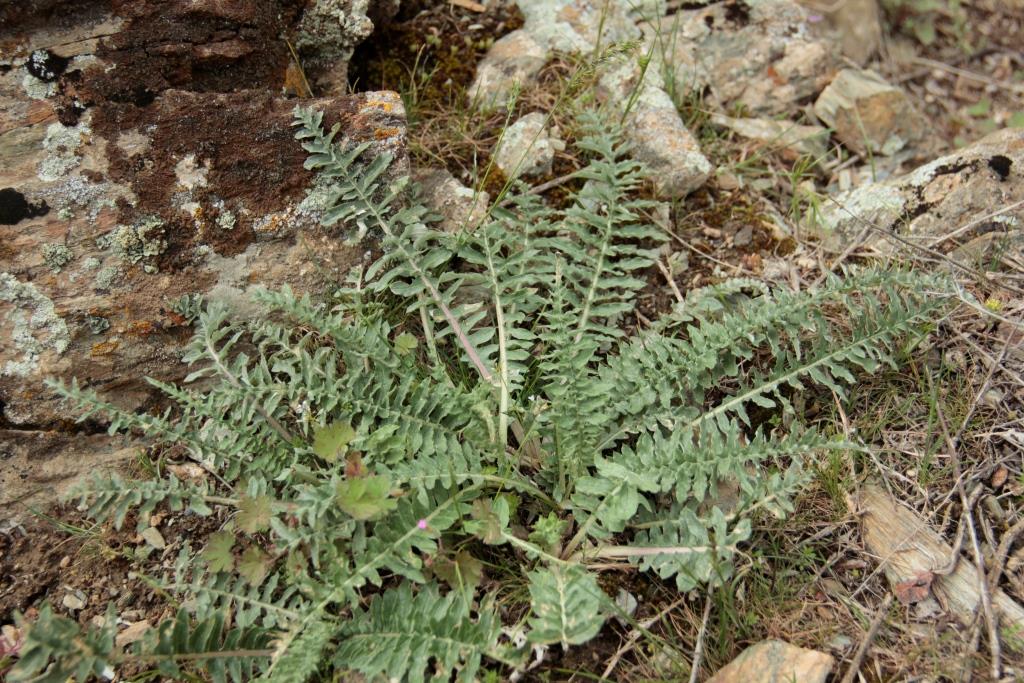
column 840, row 643
column 627, row 602
column 993, row 398
column 74, row 601
column 744, row 237
column 153, row 537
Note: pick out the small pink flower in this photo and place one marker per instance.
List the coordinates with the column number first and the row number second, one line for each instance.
column 815, row 18
column 422, row 524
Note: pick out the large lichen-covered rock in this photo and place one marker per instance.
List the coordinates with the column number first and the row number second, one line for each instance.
column 210, row 197
column 121, row 195
column 937, row 198
column 131, row 50
column 758, row 54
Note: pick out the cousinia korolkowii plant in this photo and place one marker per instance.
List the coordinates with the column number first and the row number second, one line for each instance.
column 361, row 460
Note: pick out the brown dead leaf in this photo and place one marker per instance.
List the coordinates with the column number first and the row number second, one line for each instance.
column 354, row 468
column 914, row 589
column 999, row 477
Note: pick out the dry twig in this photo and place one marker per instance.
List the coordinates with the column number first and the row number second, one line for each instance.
column 858, row 657
column 698, row 649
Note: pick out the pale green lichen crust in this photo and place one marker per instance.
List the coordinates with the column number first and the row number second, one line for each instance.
column 61, row 144
column 136, row 242
column 226, row 220
column 34, row 324
column 56, row 256
column 105, row 278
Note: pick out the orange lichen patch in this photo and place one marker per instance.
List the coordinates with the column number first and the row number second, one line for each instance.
column 385, row 133
column 141, row 328
column 273, row 226
column 383, row 106
column 105, row 348
column 177, row 320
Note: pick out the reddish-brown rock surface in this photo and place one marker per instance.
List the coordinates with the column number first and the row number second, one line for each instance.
column 148, row 154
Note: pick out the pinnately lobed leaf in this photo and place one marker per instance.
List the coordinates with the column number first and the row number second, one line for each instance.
column 566, row 604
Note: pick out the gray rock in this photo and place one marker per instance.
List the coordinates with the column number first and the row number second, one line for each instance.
column 793, row 138
column 548, row 25
column 329, row 32
column 858, row 24
column 937, row 198
column 153, row 537
column 514, row 58
column 460, row 207
column 868, row 114
column 74, row 601
column 527, row 148
column 775, row 660
column 661, row 141
column 760, row 54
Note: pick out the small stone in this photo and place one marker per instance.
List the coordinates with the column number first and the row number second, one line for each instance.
column 460, row 207
column 728, row 182
column 74, row 601
column 131, row 634
column 793, row 139
column 65, row 561
column 188, row 471
column 993, row 398
column 840, row 643
column 868, row 114
column 526, row 149
column 744, row 237
column 775, row 660
column 12, row 635
column 152, row 536
column 626, row 602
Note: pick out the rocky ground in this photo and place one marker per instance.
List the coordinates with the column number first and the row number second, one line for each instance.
column 148, row 157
